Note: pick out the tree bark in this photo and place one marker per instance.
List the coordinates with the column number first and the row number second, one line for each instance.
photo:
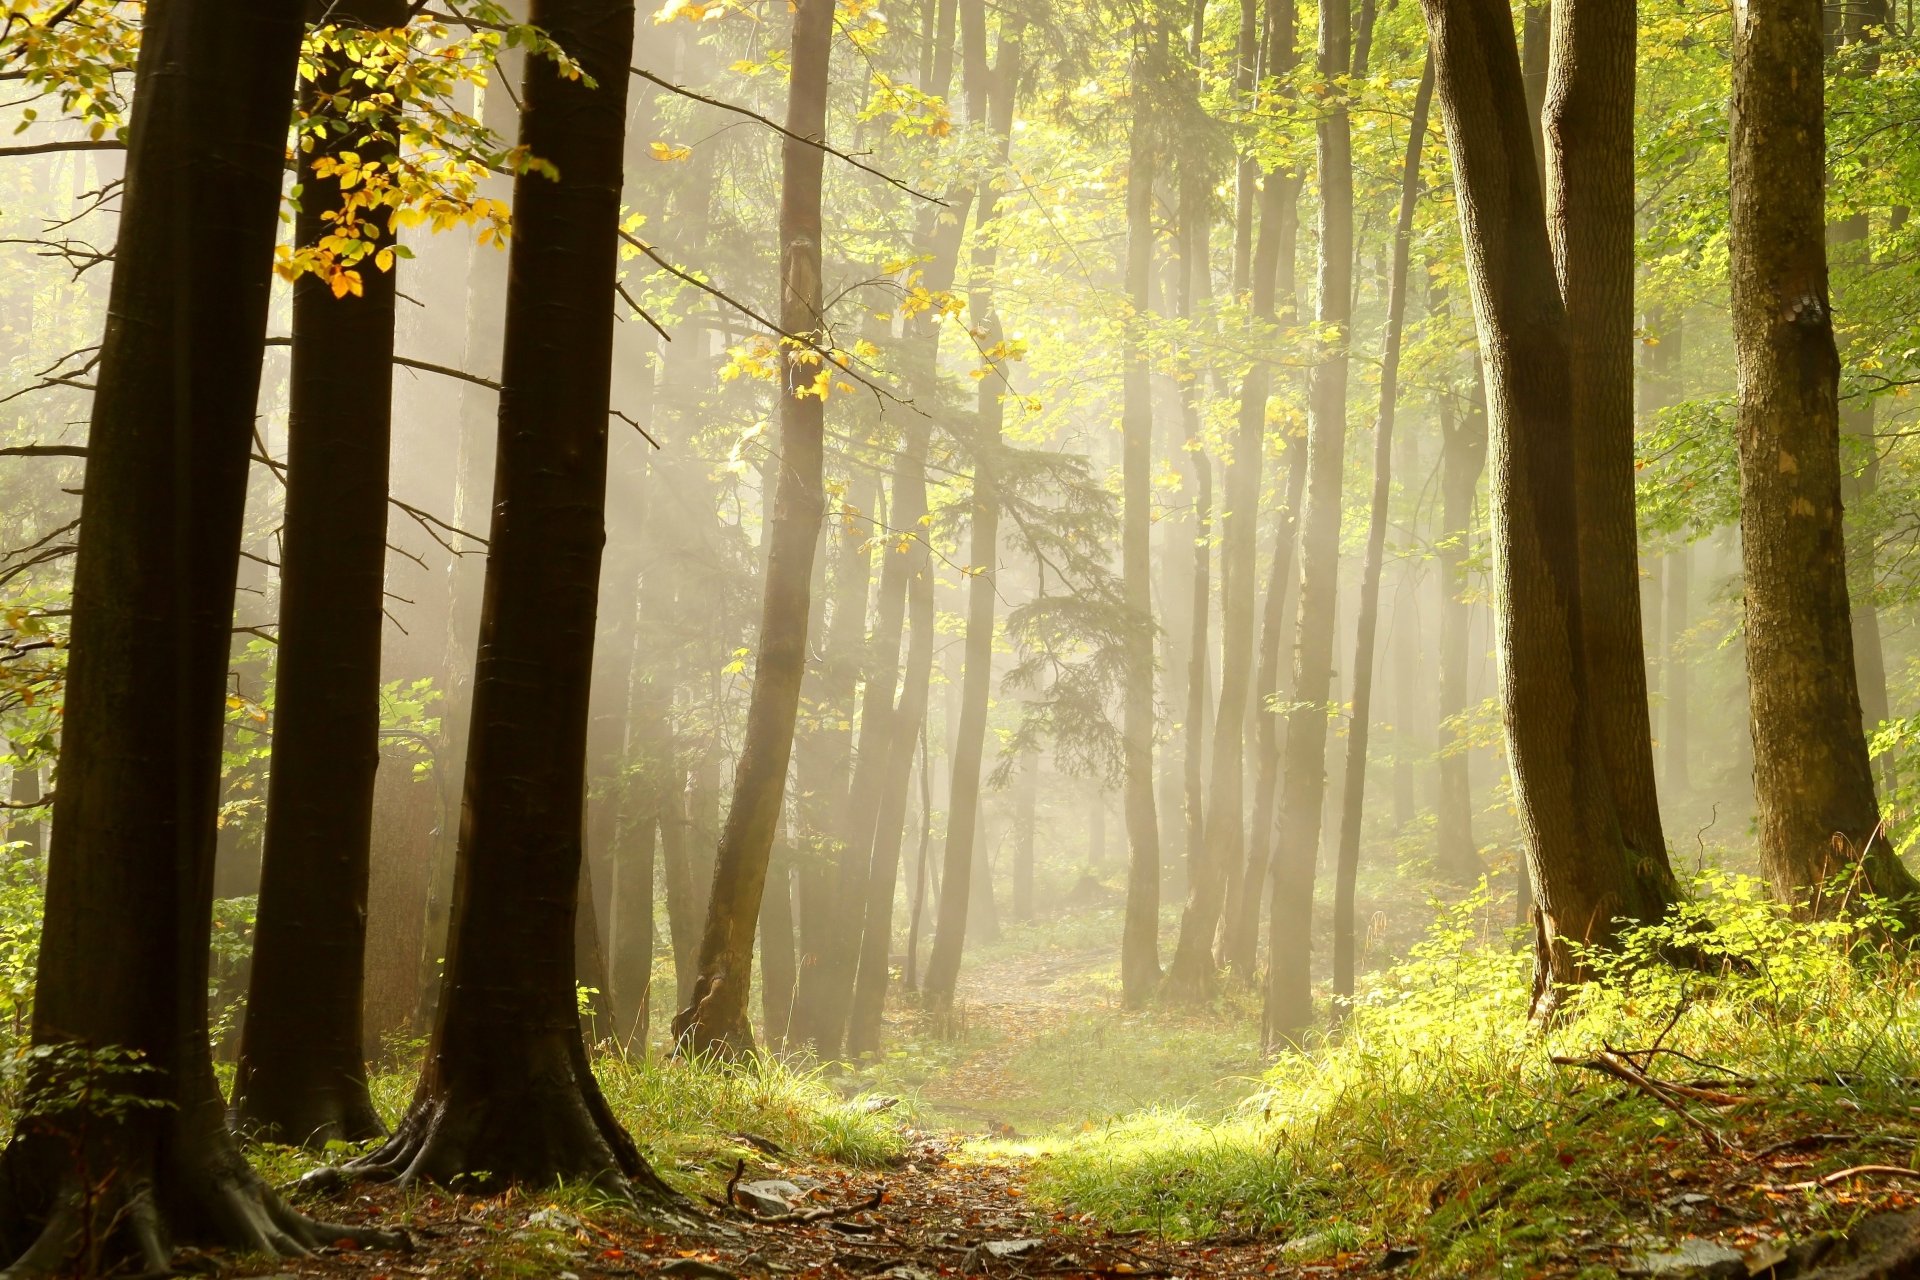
column 1585, row 878
column 1813, row 782
column 1346, row 869
column 1588, row 127
column 1140, row 935
column 950, row 928
column 715, row 1019
column 120, row 994
column 1289, row 1005
column 506, row 1095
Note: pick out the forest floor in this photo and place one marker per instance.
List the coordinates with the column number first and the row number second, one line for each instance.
column 1720, row 1177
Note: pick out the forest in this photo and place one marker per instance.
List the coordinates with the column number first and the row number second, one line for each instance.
column 959, row 638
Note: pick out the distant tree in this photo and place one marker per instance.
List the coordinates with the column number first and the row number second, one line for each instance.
column 120, row 1150
column 507, row 1094
column 1353, row 800
column 300, row 1076
column 1289, row 1006
column 1581, row 870
column 1813, row 781
column 1463, row 457
column 991, row 102
column 1140, row 937
column 716, row 1018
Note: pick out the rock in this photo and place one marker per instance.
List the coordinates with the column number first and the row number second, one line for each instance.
column 1012, row 1248
column 769, row 1196
column 694, row 1269
column 1311, row 1245
column 1396, row 1256
column 1695, row 1257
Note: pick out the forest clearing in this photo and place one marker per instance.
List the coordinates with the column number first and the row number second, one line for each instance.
column 997, row 638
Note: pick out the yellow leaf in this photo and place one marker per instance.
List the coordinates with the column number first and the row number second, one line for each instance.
column 667, row 151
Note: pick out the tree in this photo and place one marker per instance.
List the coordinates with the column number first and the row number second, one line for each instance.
column 716, row 1018
column 1588, row 128
column 992, row 102
column 1288, row 1005
column 507, row 1094
column 1813, row 782
column 1579, row 866
column 1355, row 782
column 300, row 1076
column 1463, row 457
column 1140, row 936
column 1191, row 973
column 120, row 998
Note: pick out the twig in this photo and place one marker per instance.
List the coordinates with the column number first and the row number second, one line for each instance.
column 1857, row 1171
column 44, row 451
column 739, row 1168
column 78, row 144
column 820, row 1215
column 1612, row 1064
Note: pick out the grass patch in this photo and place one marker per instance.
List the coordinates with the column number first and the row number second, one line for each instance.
column 1438, row 1117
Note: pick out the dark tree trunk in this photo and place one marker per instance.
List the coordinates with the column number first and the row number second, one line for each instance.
column 301, row 1078
column 1585, row 879
column 1140, row 937
column 1590, row 210
column 123, row 963
column 506, row 1095
column 1463, row 456
column 1353, row 805
column 716, row 1016
column 1813, row 782
column 950, row 929
column 1289, row 1003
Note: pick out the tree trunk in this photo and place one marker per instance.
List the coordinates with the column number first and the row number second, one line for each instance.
column 1140, row 936
column 779, row 960
column 301, row 1078
column 1023, row 822
column 507, row 1095
column 715, row 1019
column 950, row 929
column 1463, row 456
column 400, row 860
column 1346, row 869
column 1584, row 876
column 1813, row 782
column 120, row 993
column 1289, row 1004
column 1590, row 211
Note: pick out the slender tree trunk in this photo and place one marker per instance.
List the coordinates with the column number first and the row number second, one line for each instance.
column 1813, row 782
column 833, row 863
column 123, row 961
column 1289, row 1004
column 1590, row 212
column 909, row 723
column 300, row 1077
column 779, row 959
column 1679, row 587
column 1463, row 456
column 1140, row 937
column 506, row 1094
column 943, row 965
column 716, row 1017
column 1025, row 797
column 1353, row 805
column 1585, row 877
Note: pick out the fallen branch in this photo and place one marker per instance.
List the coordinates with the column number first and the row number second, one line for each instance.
column 1612, row 1064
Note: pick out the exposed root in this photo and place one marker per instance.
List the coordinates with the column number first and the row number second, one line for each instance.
column 131, row 1219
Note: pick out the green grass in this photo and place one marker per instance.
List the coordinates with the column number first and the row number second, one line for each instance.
column 1438, row 1116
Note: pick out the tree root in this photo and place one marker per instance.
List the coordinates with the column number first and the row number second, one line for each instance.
column 133, row 1219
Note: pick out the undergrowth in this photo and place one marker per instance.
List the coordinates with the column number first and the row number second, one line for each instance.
column 1438, row 1115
